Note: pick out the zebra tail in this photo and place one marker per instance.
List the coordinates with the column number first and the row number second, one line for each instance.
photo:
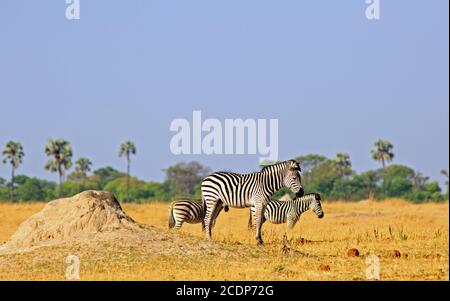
column 171, row 218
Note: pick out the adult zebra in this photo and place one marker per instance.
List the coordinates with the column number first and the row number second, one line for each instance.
column 246, row 190
column 280, row 212
column 189, row 211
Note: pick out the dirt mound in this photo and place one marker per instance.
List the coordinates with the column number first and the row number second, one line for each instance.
column 353, row 252
column 395, row 254
column 85, row 214
column 324, row 267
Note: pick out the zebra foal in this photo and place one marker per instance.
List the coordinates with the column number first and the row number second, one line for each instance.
column 189, row 211
column 280, row 212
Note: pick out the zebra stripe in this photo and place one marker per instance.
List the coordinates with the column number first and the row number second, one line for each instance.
column 246, row 190
column 280, row 212
column 189, row 211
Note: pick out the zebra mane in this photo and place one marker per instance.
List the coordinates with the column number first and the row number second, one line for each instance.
column 281, row 165
column 310, row 197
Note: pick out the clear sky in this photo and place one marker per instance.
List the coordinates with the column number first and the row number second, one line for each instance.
column 335, row 80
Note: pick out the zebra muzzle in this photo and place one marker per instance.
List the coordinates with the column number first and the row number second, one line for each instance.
column 300, row 193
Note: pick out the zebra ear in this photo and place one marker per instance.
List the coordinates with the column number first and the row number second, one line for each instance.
column 317, row 197
column 295, row 165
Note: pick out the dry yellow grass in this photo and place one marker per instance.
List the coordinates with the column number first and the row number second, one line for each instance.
column 419, row 232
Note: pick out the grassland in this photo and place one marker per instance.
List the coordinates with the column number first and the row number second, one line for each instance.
column 420, row 232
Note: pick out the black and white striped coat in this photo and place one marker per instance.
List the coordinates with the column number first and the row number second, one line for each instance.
column 189, row 211
column 246, row 190
column 280, row 212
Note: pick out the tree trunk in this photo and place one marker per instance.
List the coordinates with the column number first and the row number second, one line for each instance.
column 128, row 178
column 60, row 181
column 11, row 189
column 384, row 177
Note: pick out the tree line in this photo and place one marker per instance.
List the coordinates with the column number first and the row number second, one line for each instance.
column 334, row 177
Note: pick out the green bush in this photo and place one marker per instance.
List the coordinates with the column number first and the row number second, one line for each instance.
column 34, row 189
column 429, row 192
column 138, row 189
column 350, row 189
column 159, row 191
column 4, row 194
column 71, row 188
column 105, row 175
column 321, row 178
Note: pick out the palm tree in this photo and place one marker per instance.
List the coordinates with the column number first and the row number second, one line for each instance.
column 61, row 151
column 83, row 166
column 343, row 164
column 382, row 151
column 127, row 149
column 13, row 153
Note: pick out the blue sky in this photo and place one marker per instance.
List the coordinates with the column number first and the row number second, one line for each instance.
column 335, row 80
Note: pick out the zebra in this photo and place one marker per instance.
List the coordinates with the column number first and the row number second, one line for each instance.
column 189, row 211
column 280, row 212
column 246, row 190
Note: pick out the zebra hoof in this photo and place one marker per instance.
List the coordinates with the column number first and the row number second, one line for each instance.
column 259, row 242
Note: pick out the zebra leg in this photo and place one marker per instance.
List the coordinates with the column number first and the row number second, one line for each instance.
column 250, row 220
column 171, row 218
column 210, row 208
column 203, row 225
column 259, row 221
column 219, row 208
column 178, row 223
column 292, row 221
column 290, row 224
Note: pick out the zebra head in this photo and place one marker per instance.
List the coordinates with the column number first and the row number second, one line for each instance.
column 315, row 205
column 292, row 179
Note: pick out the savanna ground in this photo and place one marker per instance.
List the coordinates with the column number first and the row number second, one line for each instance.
column 315, row 250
